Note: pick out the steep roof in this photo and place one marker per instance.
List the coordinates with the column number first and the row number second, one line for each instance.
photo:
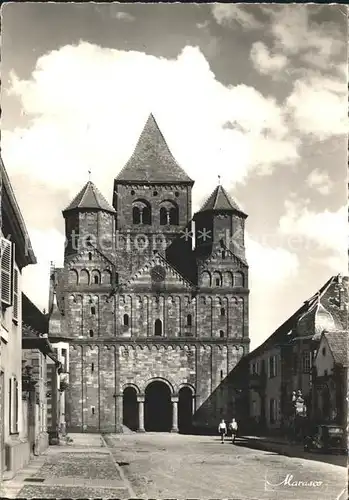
column 338, row 344
column 219, row 200
column 91, row 198
column 282, row 333
column 152, row 161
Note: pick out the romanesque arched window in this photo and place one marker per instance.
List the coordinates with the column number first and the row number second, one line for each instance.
column 84, row 277
column 217, row 279
column 73, row 277
column 126, row 320
column 238, row 279
column 158, row 327
column 91, row 333
column 141, row 212
column 189, row 320
column 221, row 333
column 222, row 311
column 106, row 277
column 169, row 213
column 205, row 279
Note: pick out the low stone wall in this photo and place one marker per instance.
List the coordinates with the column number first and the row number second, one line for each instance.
column 17, row 453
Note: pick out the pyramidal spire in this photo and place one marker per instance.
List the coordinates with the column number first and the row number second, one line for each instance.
column 219, row 200
column 89, row 198
column 152, row 160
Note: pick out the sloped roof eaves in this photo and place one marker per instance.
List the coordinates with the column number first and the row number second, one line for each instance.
column 281, row 333
column 6, row 185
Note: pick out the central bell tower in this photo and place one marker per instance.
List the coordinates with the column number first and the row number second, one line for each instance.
column 152, row 197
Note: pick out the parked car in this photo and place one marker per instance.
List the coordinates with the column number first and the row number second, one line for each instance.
column 328, row 438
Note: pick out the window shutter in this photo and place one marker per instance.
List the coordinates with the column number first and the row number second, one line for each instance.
column 15, row 295
column 6, row 271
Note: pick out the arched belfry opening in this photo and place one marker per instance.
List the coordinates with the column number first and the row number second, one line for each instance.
column 185, row 410
column 158, row 407
column 130, row 408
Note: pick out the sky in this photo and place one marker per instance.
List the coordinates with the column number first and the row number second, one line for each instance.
column 255, row 93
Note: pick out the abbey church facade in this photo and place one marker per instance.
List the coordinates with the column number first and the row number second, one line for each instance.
column 152, row 300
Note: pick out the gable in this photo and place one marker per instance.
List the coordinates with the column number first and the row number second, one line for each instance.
column 230, row 259
column 82, row 258
column 172, row 278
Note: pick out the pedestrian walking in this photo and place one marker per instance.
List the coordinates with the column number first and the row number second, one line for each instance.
column 222, row 429
column 233, row 428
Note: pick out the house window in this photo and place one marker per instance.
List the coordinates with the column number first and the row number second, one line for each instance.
column 89, row 256
column 223, row 254
column 306, row 361
column 254, row 368
column 13, row 405
column 158, row 327
column 92, row 367
column 272, row 367
column 126, row 320
column 221, row 374
column 272, row 411
column 222, row 311
column 221, row 333
column 96, row 279
column 218, row 282
column 91, row 333
column 189, row 320
column 324, row 351
column 93, row 310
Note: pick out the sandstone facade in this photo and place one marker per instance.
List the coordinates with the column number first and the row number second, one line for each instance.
column 151, row 321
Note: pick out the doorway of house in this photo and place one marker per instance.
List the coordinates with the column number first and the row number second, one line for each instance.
column 130, row 408
column 158, row 407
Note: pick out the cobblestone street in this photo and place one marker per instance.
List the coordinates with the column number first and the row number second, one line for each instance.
column 154, row 465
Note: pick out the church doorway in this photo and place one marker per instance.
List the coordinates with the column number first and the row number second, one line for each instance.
column 158, row 407
column 130, row 408
column 185, row 410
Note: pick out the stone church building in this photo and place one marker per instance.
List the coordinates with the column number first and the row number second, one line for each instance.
column 152, row 300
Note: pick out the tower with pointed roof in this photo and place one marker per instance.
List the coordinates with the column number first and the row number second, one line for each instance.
column 154, row 325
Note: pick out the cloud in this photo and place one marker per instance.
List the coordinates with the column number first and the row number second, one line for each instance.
column 48, row 246
column 205, row 24
column 326, row 231
column 123, row 16
column 269, row 266
column 88, row 107
column 230, row 15
column 318, row 107
column 320, row 180
column 295, row 32
column 265, row 62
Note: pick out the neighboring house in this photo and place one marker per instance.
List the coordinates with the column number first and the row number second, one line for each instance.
column 37, row 354
column 153, row 325
column 330, row 384
column 16, row 253
column 283, row 363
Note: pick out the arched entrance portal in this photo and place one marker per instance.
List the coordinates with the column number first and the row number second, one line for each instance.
column 158, row 407
column 130, row 408
column 185, row 410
